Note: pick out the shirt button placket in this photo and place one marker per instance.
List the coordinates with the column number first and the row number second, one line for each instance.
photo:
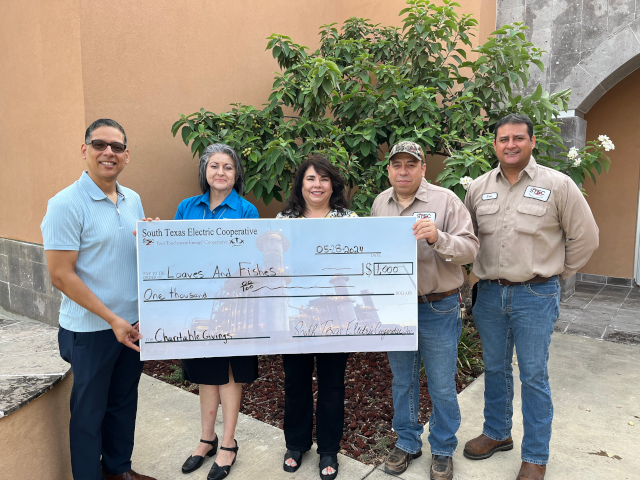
column 504, row 227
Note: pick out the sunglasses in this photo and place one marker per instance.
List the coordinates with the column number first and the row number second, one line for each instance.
column 101, row 146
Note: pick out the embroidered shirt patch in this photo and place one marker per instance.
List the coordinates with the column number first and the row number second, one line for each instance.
column 538, row 193
column 430, row 215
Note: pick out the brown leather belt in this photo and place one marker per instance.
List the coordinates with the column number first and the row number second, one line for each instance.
column 507, row 283
column 436, row 297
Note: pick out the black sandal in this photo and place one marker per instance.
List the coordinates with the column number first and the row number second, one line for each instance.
column 329, row 460
column 194, row 462
column 296, row 456
column 217, row 472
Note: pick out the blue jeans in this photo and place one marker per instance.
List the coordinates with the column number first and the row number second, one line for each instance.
column 439, row 328
column 523, row 316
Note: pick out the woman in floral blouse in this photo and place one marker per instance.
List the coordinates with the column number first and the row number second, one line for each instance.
column 318, row 192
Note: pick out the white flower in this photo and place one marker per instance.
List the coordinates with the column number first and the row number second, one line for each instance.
column 573, row 153
column 606, row 143
column 465, row 182
column 577, row 162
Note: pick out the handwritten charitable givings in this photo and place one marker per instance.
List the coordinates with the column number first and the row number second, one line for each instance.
column 212, row 288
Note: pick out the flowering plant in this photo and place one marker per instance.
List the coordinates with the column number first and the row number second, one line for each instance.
column 579, row 164
column 369, row 86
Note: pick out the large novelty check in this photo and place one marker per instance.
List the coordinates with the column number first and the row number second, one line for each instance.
column 211, row 288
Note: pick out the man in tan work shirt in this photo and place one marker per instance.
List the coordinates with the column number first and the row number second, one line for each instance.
column 534, row 227
column 444, row 233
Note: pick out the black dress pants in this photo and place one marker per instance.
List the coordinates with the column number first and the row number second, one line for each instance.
column 104, row 402
column 298, row 400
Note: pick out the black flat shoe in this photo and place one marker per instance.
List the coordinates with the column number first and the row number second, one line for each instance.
column 330, row 460
column 294, row 455
column 194, row 462
column 217, row 472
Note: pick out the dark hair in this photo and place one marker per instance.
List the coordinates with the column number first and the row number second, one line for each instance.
column 515, row 118
column 295, row 206
column 103, row 122
column 237, row 163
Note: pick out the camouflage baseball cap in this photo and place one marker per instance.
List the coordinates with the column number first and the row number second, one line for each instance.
column 411, row 148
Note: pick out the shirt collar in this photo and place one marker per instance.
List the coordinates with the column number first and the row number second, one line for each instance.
column 530, row 169
column 421, row 193
column 232, row 200
column 94, row 190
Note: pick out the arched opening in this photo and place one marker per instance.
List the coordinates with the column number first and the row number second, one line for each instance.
column 614, row 200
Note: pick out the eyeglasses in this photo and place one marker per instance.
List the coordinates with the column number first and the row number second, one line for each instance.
column 101, row 145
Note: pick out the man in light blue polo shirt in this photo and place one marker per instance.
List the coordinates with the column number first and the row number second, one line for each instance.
column 91, row 256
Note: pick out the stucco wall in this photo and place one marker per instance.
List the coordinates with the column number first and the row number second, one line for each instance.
column 614, row 200
column 34, row 441
column 41, row 110
column 142, row 63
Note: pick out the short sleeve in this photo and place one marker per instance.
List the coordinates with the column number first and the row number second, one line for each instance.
column 62, row 225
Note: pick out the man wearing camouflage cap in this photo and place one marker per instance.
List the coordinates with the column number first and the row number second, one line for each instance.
column 445, row 237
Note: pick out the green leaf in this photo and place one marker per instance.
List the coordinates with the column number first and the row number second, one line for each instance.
column 327, row 86
column 598, row 166
column 250, row 183
column 186, row 131
column 422, row 60
column 257, row 190
column 333, row 67
column 539, row 64
column 537, row 94
column 176, row 126
column 276, row 52
column 575, row 176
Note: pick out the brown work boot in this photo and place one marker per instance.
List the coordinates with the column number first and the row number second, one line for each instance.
column 441, row 468
column 130, row 475
column 398, row 461
column 483, row 447
column 531, row 471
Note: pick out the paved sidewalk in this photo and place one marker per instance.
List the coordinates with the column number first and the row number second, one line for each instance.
column 602, row 311
column 596, row 391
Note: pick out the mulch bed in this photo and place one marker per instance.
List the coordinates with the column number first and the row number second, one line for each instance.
column 368, row 436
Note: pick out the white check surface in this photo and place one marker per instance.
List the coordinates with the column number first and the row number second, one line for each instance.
column 210, row 288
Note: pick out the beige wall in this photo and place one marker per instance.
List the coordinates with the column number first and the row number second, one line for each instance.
column 41, row 109
column 34, row 441
column 142, row 63
column 614, row 200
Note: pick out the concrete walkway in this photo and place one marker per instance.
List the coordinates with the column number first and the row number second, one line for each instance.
column 596, row 392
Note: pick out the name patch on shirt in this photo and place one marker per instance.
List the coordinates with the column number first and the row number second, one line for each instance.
column 489, row 196
column 538, row 193
column 430, row 215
